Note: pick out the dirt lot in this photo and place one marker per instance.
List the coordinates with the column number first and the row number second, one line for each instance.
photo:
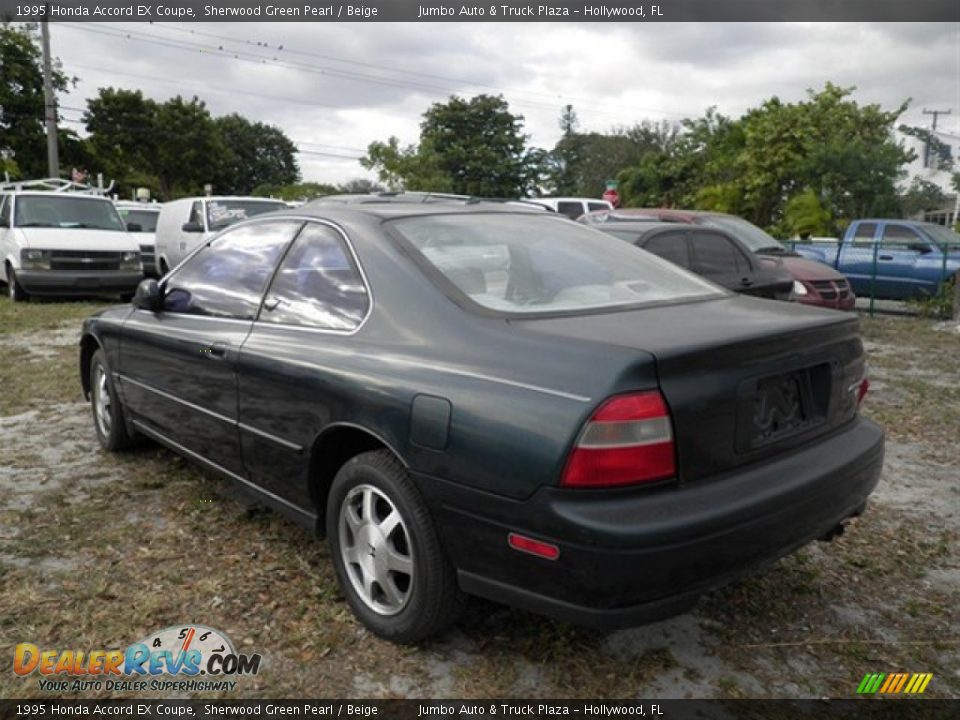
column 98, row 550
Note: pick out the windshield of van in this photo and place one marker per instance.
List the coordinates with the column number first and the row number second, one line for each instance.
column 543, row 264
column 146, row 219
column 221, row 213
column 63, row 211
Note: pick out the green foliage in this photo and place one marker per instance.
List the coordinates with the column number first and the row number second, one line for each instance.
column 939, row 305
column 472, row 147
column 254, row 154
column 806, row 216
column 842, row 152
column 176, row 147
column 921, row 195
column 22, row 135
column 581, row 164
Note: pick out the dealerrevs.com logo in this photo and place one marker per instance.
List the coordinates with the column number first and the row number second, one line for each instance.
column 178, row 658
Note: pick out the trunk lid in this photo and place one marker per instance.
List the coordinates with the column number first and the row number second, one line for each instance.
column 745, row 379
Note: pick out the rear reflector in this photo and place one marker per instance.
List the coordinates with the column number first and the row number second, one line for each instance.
column 862, row 391
column 627, row 440
column 534, row 547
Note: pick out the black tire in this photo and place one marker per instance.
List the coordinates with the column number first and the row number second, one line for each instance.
column 14, row 291
column 111, row 428
column 432, row 599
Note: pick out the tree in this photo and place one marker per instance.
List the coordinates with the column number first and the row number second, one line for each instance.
column 22, row 130
column 255, row 154
column 844, row 153
column 296, row 191
column 921, row 195
column 123, row 137
column 472, row 147
column 805, row 216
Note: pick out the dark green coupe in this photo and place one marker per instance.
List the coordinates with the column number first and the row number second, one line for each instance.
column 478, row 399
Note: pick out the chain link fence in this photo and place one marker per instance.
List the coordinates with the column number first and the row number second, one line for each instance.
column 918, row 278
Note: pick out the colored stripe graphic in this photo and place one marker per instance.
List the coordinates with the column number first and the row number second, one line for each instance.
column 894, row 683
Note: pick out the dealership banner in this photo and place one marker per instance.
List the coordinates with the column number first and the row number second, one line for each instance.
column 509, row 11
column 505, row 709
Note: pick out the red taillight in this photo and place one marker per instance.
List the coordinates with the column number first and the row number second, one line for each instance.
column 862, row 390
column 627, row 440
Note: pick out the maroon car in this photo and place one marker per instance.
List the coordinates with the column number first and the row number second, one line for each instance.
column 814, row 283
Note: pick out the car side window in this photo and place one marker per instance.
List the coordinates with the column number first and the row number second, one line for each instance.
column 572, row 210
column 318, row 284
column 900, row 236
column 5, row 204
column 714, row 254
column 863, row 237
column 670, row 246
column 227, row 277
column 591, row 207
column 196, row 213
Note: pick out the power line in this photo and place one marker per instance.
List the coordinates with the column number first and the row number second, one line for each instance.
column 384, row 68
column 274, row 61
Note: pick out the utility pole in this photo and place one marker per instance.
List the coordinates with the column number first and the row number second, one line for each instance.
column 936, row 113
column 49, row 103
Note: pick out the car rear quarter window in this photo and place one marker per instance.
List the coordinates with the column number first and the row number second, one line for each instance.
column 318, row 284
column 714, row 254
column 864, row 234
column 5, row 211
column 572, row 210
column 227, row 277
column 670, row 246
column 536, row 264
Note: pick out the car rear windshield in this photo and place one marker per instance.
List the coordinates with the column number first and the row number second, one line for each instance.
column 61, row 211
column 221, row 213
column 146, row 219
column 535, row 264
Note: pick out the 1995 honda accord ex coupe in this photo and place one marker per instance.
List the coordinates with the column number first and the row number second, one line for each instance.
column 472, row 398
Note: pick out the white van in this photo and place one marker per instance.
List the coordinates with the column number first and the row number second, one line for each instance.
column 573, row 207
column 184, row 224
column 64, row 243
column 141, row 221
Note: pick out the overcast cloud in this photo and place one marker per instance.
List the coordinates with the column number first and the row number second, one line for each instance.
column 334, row 88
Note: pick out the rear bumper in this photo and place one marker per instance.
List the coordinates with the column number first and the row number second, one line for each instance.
column 634, row 556
column 78, row 282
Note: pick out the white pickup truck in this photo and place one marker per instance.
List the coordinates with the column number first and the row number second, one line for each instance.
column 64, row 243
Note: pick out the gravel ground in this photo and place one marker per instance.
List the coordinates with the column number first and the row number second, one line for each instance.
column 98, row 550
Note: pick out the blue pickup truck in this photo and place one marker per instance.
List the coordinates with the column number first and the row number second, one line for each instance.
column 892, row 259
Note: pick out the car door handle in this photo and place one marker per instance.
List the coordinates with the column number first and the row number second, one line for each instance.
column 217, row 350
column 746, row 281
column 885, row 257
column 271, row 303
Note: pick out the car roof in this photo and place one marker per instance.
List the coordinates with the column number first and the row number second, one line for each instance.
column 395, row 209
column 641, row 227
column 41, row 193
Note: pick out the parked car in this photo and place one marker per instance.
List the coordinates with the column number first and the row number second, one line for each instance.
column 141, row 219
column 709, row 252
column 814, row 284
column 184, row 224
column 892, row 259
column 573, row 207
column 479, row 399
column 64, row 243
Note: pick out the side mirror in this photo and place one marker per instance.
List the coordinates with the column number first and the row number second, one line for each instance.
column 192, row 227
column 921, row 248
column 134, row 227
column 148, row 296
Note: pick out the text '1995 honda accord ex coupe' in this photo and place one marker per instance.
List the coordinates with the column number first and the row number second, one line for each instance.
column 473, row 399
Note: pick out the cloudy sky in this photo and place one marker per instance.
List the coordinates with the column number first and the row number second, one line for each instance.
column 334, row 88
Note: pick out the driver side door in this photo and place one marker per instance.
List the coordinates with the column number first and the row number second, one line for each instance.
column 178, row 366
